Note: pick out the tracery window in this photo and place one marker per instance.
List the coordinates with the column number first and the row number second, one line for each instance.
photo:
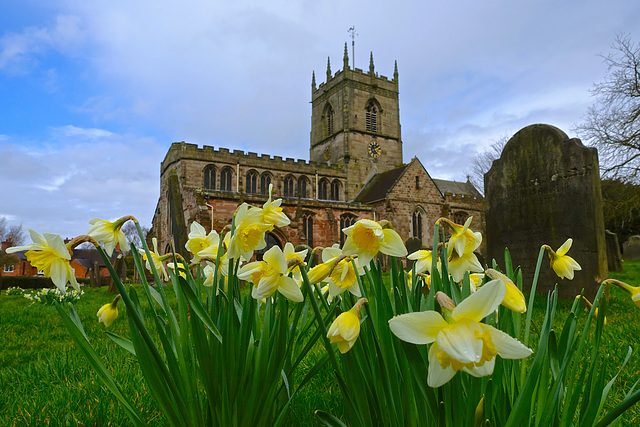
column 251, row 186
column 371, row 115
column 307, row 228
column 346, row 220
column 225, row 179
column 335, row 190
column 302, row 187
column 265, row 181
column 323, row 188
column 210, row 177
column 287, row 190
column 417, row 225
column 328, row 116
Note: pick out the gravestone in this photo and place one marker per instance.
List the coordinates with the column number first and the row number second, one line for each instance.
column 614, row 257
column 543, row 189
column 631, row 249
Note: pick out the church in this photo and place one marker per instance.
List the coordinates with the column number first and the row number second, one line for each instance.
column 355, row 170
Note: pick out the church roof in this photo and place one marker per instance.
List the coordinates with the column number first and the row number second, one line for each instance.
column 454, row 187
column 379, row 185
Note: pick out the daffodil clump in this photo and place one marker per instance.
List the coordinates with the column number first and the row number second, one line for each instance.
column 445, row 342
column 49, row 296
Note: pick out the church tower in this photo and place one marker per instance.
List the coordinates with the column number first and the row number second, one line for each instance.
column 355, row 123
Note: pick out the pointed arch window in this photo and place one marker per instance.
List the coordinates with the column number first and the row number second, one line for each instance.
column 265, row 181
column 371, row 115
column 417, row 225
column 335, row 190
column 287, row 191
column 251, row 186
column 302, row 187
column 210, row 177
column 225, row 179
column 307, row 228
column 323, row 188
column 328, row 117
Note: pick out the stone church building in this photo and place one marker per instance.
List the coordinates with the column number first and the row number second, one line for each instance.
column 355, row 171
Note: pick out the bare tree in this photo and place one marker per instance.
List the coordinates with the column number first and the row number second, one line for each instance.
column 16, row 233
column 131, row 233
column 612, row 123
column 481, row 162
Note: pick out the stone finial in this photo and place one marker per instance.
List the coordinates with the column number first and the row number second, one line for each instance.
column 345, row 58
column 328, row 69
column 371, row 67
column 313, row 81
column 395, row 71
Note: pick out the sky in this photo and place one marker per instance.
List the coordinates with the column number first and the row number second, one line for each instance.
column 92, row 94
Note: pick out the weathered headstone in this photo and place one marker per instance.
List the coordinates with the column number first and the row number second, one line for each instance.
column 631, row 249
column 614, row 257
column 543, row 189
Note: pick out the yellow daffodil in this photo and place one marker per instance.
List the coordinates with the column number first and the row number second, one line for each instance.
column 322, row 271
column 201, row 244
column 270, row 275
column 633, row 291
column 157, row 260
column 248, row 234
column 460, row 342
column 366, row 238
column 345, row 329
column 475, row 280
column 460, row 264
column 108, row 312
column 514, row 298
column 109, row 233
column 290, row 255
column 561, row 263
column 463, row 240
column 51, row 256
column 272, row 212
column 180, row 269
column 343, row 277
column 423, row 259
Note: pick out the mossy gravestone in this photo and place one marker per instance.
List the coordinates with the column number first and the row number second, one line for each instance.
column 543, row 189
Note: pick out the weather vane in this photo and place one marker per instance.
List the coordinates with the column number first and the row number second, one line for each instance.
column 353, row 34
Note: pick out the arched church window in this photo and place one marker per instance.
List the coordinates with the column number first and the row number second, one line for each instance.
column 225, row 179
column 371, row 115
column 251, row 186
column 302, row 187
column 460, row 217
column 417, row 225
column 335, row 190
column 346, row 220
column 265, row 181
column 307, row 228
column 287, row 191
column 323, row 188
column 328, row 117
column 210, row 177
column 271, row 240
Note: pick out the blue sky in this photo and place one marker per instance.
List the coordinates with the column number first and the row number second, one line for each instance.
column 93, row 93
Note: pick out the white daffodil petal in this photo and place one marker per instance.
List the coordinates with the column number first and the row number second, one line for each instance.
column 59, row 274
column 392, row 244
column 460, row 342
column 507, row 346
column 355, row 290
column 481, row 303
column 437, row 376
column 483, row 370
column 565, row 247
column 418, row 328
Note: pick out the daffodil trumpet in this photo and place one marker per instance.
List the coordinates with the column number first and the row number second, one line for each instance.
column 633, row 291
column 561, row 263
column 344, row 331
column 109, row 312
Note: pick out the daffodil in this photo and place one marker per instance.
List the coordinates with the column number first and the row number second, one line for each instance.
column 423, row 259
column 248, row 234
column 51, row 256
column 290, row 255
column 345, row 329
column 514, row 298
column 459, row 341
column 272, row 212
column 633, row 291
column 343, row 276
column 460, row 264
column 157, row 260
column 561, row 263
column 201, row 244
column 366, row 238
column 109, row 312
column 180, row 269
column 109, row 233
column 270, row 275
column 588, row 306
column 463, row 239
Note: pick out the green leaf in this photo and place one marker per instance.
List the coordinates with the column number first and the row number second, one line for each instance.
column 328, row 419
column 122, row 342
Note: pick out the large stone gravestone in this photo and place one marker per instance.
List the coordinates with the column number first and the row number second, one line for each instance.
column 543, row 189
column 631, row 249
column 614, row 256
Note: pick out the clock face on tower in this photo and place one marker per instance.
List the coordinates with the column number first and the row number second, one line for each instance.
column 327, row 153
column 374, row 150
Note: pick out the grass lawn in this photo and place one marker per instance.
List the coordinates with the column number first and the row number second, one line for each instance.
column 45, row 380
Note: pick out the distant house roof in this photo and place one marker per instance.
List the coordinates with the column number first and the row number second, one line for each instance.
column 454, row 187
column 379, row 185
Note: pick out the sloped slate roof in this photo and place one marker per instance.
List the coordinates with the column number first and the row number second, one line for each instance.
column 379, row 185
column 455, row 187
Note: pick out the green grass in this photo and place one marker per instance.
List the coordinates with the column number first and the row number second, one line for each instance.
column 45, row 380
